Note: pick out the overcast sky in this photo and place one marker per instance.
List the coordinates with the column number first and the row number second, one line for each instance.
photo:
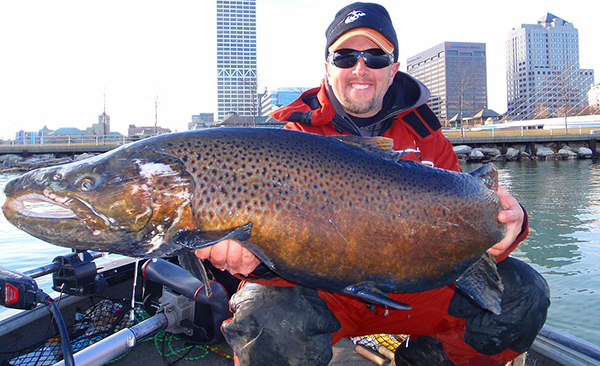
column 59, row 58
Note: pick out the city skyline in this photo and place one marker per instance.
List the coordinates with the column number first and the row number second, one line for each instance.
column 60, row 58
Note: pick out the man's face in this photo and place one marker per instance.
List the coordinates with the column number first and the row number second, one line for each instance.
column 360, row 89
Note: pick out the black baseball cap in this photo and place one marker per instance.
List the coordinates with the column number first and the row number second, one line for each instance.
column 362, row 19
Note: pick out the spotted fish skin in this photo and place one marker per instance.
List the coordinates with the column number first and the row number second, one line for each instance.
column 324, row 211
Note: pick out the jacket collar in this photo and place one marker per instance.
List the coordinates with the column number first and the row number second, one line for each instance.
column 405, row 93
column 322, row 107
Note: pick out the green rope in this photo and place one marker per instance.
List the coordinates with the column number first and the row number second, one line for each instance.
column 140, row 314
column 162, row 338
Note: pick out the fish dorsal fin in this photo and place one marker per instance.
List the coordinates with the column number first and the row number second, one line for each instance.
column 367, row 143
column 488, row 174
column 380, row 146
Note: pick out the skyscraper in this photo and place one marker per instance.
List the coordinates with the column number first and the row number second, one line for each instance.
column 543, row 77
column 236, row 58
column 455, row 73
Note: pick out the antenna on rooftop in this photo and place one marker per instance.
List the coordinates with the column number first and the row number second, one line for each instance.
column 104, row 119
column 156, row 115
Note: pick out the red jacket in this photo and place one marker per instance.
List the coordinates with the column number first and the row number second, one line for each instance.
column 432, row 145
column 413, row 126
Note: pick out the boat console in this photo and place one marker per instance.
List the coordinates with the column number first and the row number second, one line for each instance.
column 171, row 299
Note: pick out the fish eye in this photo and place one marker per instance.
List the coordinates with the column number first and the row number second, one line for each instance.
column 86, row 184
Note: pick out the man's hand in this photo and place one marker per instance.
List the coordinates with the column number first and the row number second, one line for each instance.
column 513, row 217
column 230, row 255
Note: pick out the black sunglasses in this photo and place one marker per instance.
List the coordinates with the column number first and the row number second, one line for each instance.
column 374, row 58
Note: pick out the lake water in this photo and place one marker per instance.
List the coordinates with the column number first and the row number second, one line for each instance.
column 562, row 199
column 563, row 202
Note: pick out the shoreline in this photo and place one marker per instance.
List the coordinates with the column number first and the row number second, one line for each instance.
column 523, row 152
column 14, row 163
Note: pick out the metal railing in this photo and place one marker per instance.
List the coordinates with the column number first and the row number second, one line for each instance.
column 590, row 132
column 83, row 140
column 95, row 140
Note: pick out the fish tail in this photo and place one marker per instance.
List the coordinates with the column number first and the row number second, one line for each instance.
column 483, row 283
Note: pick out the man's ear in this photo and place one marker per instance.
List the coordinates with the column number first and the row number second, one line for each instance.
column 327, row 65
column 395, row 68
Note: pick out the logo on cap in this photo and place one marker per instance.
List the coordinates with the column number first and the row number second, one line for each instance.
column 353, row 15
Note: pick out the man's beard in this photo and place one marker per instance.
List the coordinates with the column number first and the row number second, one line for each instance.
column 358, row 109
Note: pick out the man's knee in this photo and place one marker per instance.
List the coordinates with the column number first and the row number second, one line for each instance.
column 280, row 325
column 525, row 302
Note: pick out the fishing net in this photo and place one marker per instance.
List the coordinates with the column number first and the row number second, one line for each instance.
column 105, row 318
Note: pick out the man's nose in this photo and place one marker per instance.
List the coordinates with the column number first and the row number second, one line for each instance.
column 361, row 67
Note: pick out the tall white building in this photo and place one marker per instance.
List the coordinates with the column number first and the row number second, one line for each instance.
column 455, row 73
column 542, row 70
column 594, row 96
column 236, row 58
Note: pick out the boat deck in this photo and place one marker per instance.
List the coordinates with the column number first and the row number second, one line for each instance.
column 21, row 330
column 148, row 353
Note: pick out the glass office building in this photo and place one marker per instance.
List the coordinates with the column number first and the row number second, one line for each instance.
column 543, row 77
column 273, row 100
column 236, row 58
column 455, row 73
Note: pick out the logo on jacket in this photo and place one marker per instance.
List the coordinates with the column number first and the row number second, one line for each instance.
column 353, row 15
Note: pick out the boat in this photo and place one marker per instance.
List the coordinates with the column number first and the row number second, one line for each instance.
column 172, row 320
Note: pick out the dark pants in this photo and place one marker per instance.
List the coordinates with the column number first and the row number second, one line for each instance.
column 297, row 325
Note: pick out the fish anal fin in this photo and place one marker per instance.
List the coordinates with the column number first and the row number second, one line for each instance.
column 198, row 239
column 369, row 292
column 483, row 284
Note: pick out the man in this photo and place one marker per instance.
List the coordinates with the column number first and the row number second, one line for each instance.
column 364, row 94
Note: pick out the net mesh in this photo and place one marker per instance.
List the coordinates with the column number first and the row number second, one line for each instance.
column 104, row 319
column 100, row 321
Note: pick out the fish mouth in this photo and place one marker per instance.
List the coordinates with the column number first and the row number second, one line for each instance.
column 37, row 206
column 53, row 218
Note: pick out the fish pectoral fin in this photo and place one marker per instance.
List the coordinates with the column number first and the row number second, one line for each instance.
column 198, row 239
column 369, row 292
column 483, row 283
column 194, row 266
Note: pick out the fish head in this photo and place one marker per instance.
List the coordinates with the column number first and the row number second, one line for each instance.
column 128, row 201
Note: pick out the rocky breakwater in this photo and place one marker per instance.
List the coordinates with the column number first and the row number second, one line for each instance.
column 524, row 152
column 17, row 163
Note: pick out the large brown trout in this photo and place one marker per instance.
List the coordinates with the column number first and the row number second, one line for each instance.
column 336, row 213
